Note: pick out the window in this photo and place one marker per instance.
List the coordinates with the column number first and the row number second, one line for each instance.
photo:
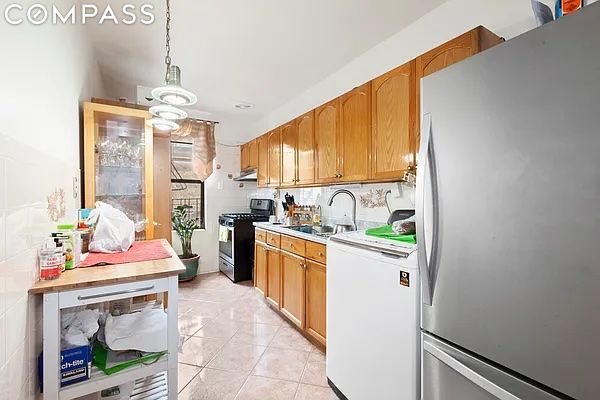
column 186, row 188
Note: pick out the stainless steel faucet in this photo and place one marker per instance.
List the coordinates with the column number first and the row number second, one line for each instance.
column 349, row 193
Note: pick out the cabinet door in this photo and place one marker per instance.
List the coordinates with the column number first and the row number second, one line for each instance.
column 316, row 300
column 263, row 161
column 305, row 154
column 275, row 157
column 273, row 277
column 260, row 267
column 288, row 154
column 244, row 157
column 393, row 122
column 355, row 134
column 293, row 287
column 327, row 127
column 253, row 154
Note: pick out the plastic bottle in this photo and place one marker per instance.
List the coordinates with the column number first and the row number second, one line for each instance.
column 564, row 7
column 51, row 261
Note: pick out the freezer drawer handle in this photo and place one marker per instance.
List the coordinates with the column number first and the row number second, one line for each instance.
column 468, row 373
column 117, row 293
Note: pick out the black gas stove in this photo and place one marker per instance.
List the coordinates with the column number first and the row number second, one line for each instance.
column 236, row 239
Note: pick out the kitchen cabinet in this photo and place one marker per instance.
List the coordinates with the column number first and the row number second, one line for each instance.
column 252, row 154
column 260, row 267
column 316, row 295
column 451, row 52
column 274, row 140
column 162, row 187
column 354, row 162
column 393, row 110
column 289, row 144
column 244, row 157
column 293, row 279
column 262, row 144
column 273, row 293
column 327, row 134
column 118, row 148
column 305, row 152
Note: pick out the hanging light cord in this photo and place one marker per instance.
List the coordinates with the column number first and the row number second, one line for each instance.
column 168, row 41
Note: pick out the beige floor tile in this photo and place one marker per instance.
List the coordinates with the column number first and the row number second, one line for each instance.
column 289, row 338
column 315, row 374
column 259, row 388
column 185, row 373
column 199, row 351
column 317, row 355
column 219, row 328
column 200, row 308
column 309, row 392
column 190, row 324
column 281, row 364
column 237, row 357
column 260, row 334
column 213, row 384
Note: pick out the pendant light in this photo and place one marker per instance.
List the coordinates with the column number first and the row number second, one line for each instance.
column 171, row 94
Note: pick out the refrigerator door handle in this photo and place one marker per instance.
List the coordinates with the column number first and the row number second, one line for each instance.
column 467, row 372
column 427, row 169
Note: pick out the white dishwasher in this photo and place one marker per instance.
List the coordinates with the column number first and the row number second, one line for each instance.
column 373, row 318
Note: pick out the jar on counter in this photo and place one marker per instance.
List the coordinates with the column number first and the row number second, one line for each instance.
column 51, row 261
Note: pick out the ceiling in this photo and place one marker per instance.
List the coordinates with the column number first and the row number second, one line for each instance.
column 264, row 52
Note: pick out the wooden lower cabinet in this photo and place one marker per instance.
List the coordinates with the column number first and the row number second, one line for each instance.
column 316, row 295
column 293, row 287
column 273, row 293
column 260, row 267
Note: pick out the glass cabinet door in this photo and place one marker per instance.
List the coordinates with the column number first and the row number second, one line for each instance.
column 122, row 162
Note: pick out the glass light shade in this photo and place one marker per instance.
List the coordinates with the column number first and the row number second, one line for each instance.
column 166, row 111
column 172, row 93
column 163, row 124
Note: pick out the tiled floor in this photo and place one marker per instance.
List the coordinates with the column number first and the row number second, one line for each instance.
column 236, row 347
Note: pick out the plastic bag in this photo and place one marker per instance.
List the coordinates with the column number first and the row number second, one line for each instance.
column 114, row 232
column 404, row 226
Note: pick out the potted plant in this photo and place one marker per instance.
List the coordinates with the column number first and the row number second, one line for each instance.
column 184, row 225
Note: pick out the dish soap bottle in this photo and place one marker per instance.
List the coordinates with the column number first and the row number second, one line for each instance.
column 564, row 7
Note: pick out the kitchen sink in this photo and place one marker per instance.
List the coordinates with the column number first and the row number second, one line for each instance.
column 322, row 231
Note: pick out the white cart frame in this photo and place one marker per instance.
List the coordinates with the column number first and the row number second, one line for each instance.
column 56, row 301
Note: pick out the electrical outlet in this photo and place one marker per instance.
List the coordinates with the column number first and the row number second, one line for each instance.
column 75, row 187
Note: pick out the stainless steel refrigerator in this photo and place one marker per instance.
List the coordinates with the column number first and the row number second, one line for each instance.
column 508, row 219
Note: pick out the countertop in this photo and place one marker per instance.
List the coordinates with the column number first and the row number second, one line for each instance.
column 112, row 274
column 290, row 232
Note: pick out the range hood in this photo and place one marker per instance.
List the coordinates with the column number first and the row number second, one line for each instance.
column 245, row 176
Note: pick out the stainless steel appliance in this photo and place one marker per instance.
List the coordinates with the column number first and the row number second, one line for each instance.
column 236, row 253
column 508, row 218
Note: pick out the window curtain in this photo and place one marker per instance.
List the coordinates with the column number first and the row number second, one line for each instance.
column 202, row 134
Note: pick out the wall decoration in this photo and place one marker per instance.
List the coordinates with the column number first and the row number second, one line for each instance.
column 56, row 204
column 373, row 198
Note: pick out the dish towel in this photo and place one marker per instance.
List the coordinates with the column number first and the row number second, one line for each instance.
column 223, row 234
column 387, row 232
column 146, row 250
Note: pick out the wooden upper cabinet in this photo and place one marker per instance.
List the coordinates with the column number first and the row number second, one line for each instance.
column 253, row 154
column 327, row 128
column 288, row 154
column 244, row 157
column 262, row 144
column 393, row 109
column 275, row 157
column 355, row 134
column 451, row 52
column 305, row 150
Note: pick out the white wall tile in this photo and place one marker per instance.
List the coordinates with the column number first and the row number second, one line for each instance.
column 2, row 340
column 2, row 236
column 16, row 316
column 18, row 372
column 2, row 184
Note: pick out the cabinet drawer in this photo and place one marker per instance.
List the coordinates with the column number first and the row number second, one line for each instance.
column 260, row 235
column 293, row 245
column 316, row 252
column 273, row 239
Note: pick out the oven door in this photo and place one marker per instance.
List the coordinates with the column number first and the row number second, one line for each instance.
column 226, row 247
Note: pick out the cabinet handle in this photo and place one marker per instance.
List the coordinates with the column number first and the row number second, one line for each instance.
column 119, row 292
column 320, row 254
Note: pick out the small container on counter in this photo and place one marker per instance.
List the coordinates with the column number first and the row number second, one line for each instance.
column 51, row 261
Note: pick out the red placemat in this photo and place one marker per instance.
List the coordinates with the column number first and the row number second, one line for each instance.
column 146, row 250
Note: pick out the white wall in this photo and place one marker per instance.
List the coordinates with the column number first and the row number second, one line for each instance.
column 507, row 18
column 47, row 70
